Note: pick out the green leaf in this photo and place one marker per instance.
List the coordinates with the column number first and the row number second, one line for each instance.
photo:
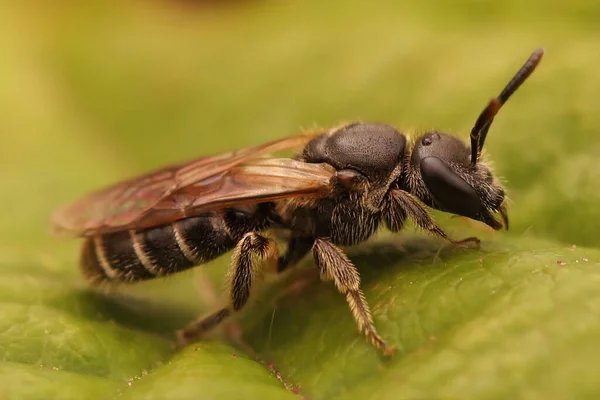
column 92, row 93
column 210, row 371
column 483, row 323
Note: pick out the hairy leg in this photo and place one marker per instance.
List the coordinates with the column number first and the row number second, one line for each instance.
column 400, row 204
column 249, row 255
column 335, row 265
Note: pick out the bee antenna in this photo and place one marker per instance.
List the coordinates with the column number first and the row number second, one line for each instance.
column 485, row 119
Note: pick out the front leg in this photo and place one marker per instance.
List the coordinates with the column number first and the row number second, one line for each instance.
column 400, row 204
column 335, row 265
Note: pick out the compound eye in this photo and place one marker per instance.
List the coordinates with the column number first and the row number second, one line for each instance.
column 449, row 190
column 351, row 179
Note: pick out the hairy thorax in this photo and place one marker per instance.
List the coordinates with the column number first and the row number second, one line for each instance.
column 345, row 222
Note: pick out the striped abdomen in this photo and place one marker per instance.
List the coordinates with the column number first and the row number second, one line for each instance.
column 131, row 256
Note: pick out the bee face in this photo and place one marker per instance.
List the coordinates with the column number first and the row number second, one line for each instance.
column 442, row 176
column 436, row 157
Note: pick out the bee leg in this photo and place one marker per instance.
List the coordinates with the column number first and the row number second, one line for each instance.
column 401, row 204
column 209, row 295
column 297, row 248
column 335, row 265
column 248, row 258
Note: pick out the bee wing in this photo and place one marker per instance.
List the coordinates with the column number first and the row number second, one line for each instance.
column 192, row 188
column 253, row 182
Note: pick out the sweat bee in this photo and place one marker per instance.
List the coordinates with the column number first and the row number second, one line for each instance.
column 336, row 191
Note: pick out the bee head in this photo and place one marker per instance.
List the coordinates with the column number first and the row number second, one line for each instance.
column 447, row 175
column 441, row 174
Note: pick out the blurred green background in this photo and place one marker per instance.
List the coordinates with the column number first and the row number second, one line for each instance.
column 98, row 91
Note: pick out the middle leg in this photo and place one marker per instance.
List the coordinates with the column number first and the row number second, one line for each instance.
column 335, row 265
column 297, row 248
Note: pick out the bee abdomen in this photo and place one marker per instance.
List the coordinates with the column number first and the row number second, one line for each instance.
column 131, row 256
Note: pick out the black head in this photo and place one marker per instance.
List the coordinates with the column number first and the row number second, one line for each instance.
column 443, row 178
column 361, row 152
column 447, row 175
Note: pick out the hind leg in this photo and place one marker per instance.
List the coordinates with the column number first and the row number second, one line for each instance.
column 249, row 257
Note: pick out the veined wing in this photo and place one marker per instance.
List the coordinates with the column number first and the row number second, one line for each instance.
column 189, row 188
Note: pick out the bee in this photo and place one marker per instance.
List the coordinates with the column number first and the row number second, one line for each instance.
column 336, row 191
